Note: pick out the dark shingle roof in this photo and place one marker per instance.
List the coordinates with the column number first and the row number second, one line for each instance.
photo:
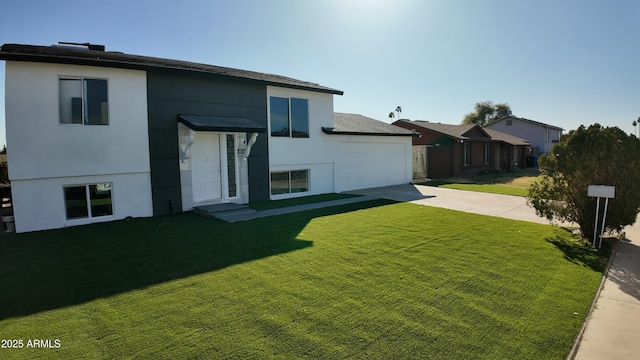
column 218, row 123
column 455, row 131
column 459, row 132
column 355, row 124
column 506, row 138
column 66, row 55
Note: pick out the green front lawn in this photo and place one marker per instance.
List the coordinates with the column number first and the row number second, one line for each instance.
column 368, row 280
column 505, row 183
column 487, row 188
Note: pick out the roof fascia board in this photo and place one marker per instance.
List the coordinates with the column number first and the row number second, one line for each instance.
column 441, row 133
column 331, row 131
column 60, row 59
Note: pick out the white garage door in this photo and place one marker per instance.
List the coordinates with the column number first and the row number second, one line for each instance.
column 363, row 165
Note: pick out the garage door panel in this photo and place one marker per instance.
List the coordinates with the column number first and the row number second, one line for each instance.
column 370, row 164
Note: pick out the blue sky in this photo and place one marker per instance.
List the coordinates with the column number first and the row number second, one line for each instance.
column 561, row 62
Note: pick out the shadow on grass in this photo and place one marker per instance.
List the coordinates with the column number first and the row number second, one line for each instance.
column 437, row 183
column 400, row 193
column 582, row 253
column 52, row 269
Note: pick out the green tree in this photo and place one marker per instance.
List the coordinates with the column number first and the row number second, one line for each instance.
column 392, row 115
column 486, row 111
column 595, row 155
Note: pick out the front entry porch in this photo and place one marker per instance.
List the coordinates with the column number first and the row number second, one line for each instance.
column 213, row 159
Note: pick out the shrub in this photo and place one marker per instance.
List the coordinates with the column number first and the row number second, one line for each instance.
column 595, row 155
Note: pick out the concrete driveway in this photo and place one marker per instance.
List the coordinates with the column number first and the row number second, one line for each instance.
column 505, row 206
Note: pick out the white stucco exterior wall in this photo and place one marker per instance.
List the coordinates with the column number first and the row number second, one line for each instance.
column 338, row 163
column 43, row 155
column 40, row 147
column 38, row 204
column 311, row 153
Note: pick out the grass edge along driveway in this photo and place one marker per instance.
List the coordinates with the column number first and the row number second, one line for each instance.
column 504, row 183
column 368, row 280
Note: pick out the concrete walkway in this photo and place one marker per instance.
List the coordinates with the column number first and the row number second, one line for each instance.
column 234, row 213
column 613, row 326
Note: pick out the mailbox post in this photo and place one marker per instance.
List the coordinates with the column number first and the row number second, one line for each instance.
column 601, row 191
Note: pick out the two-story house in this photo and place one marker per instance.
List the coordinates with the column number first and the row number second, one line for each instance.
column 541, row 136
column 95, row 135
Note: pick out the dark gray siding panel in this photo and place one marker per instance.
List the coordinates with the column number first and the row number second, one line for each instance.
column 173, row 93
column 259, row 170
column 163, row 143
column 165, row 186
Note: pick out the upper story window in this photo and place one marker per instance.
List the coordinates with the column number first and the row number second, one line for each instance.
column 553, row 135
column 289, row 117
column 84, row 101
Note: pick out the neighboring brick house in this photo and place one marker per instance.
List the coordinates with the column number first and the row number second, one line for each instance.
column 463, row 150
column 541, row 136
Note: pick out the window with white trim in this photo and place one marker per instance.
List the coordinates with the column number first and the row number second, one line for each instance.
column 88, row 201
column 289, row 117
column 84, row 101
column 289, row 182
column 553, row 135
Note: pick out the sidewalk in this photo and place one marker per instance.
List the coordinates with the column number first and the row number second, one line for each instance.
column 614, row 325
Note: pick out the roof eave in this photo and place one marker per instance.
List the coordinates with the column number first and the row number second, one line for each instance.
column 420, row 127
column 332, row 131
column 58, row 59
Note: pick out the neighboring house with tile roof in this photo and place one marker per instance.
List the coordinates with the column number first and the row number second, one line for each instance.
column 96, row 135
column 541, row 136
column 462, row 150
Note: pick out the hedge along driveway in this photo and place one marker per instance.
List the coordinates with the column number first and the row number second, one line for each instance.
column 372, row 280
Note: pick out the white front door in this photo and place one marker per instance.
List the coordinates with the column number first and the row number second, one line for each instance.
column 205, row 166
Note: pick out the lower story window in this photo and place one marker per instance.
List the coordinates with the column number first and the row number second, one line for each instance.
column 466, row 154
column 88, row 201
column 487, row 153
column 289, row 182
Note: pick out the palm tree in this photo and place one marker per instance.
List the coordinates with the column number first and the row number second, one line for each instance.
column 392, row 115
column 398, row 110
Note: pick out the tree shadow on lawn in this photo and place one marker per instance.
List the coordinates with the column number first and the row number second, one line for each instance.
column 583, row 254
column 52, row 269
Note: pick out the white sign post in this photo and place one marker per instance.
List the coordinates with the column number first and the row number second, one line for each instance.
column 601, row 191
